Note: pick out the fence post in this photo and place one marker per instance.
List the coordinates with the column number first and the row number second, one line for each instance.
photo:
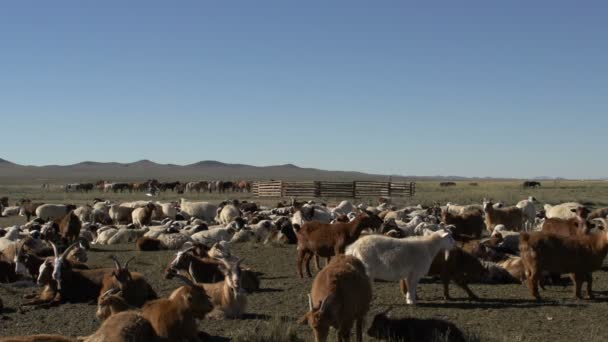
column 389, row 188
column 317, row 188
column 282, row 190
column 354, row 189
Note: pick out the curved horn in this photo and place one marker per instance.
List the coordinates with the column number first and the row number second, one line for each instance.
column 110, row 292
column 310, row 302
column 116, row 262
column 191, row 272
column 189, row 249
column 127, row 263
column 54, row 250
column 67, row 250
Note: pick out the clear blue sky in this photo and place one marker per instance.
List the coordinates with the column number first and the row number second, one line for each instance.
column 472, row 88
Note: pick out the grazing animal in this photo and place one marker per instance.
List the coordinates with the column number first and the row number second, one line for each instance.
column 567, row 227
column 470, row 223
column 578, row 255
column 392, row 259
column 510, row 217
column 327, row 240
column 340, row 298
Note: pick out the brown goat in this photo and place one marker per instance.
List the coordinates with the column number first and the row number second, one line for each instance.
column 460, row 266
column 578, row 255
column 205, row 270
column 143, row 216
column 69, row 227
column 470, row 223
column 568, row 227
column 174, row 318
column 127, row 326
column 340, row 297
column 327, row 240
column 134, row 288
column 110, row 303
column 511, row 217
column 28, row 208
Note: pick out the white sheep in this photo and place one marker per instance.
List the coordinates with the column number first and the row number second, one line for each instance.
column 169, row 210
column 343, row 208
column 203, row 210
column 528, row 210
column 51, row 212
column 11, row 211
column 125, row 235
column 227, row 214
column 84, row 213
column 104, row 234
column 563, row 210
column 391, row 259
column 318, row 214
column 174, row 241
column 211, row 236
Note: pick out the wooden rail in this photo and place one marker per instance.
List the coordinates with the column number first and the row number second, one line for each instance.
column 356, row 189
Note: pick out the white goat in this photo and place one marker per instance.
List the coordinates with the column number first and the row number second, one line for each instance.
column 391, row 259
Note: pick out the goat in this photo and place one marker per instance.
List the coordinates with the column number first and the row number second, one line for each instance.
column 460, row 266
column 149, row 244
column 578, row 255
column 110, row 303
column 394, row 259
column 227, row 296
column 69, row 227
column 204, row 270
column 327, row 240
column 340, row 297
column 568, row 227
column 143, row 216
column 127, row 326
column 413, row 329
column 174, row 318
column 133, row 286
column 468, row 223
column 510, row 217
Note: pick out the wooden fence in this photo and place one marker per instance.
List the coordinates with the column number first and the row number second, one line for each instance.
column 356, row 189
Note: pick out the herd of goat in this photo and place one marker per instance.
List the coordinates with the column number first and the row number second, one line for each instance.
column 489, row 243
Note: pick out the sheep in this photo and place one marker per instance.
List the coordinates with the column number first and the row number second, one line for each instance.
column 11, row 211
column 104, row 234
column 507, row 240
column 510, row 217
column 461, row 209
column 169, row 210
column 567, row 227
column 127, row 326
column 579, row 255
column 52, row 212
column 142, row 216
column 469, row 223
column 174, row 241
column 528, row 210
column 101, row 216
column 149, row 244
column 84, row 213
column 394, row 259
column 174, row 318
column 343, row 208
column 563, row 210
column 214, row 235
column 120, row 214
column 124, row 235
column 203, row 210
column 340, row 297
column 459, row 266
column 413, row 329
column 308, row 213
column 227, row 214
column 327, row 240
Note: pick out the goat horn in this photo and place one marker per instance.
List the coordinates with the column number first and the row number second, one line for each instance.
column 188, row 249
column 54, row 250
column 310, row 302
column 116, row 262
column 110, row 292
column 191, row 272
column 67, row 250
column 127, row 263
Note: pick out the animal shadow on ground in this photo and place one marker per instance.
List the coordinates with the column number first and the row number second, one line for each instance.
column 496, row 303
column 249, row 316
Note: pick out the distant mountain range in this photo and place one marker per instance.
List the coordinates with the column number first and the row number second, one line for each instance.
column 207, row 169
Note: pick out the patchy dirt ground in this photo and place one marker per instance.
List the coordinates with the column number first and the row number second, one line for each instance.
column 506, row 314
